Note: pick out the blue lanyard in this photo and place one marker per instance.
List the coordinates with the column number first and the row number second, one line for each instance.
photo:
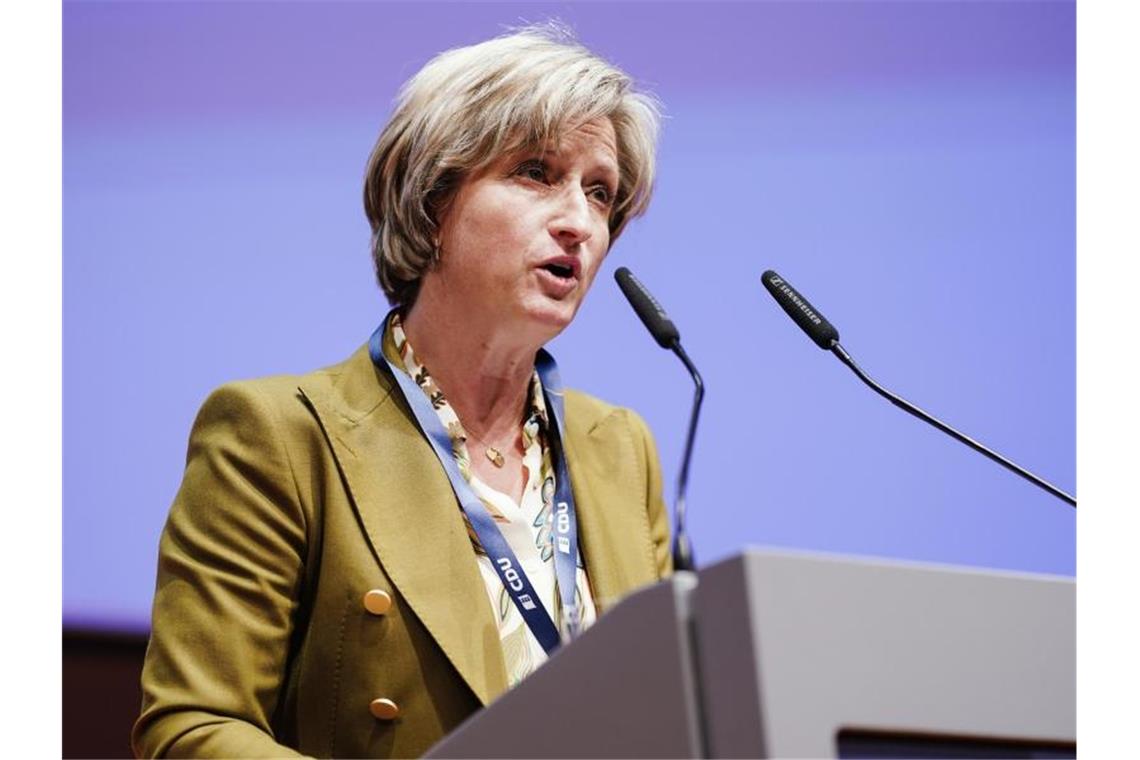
column 503, row 559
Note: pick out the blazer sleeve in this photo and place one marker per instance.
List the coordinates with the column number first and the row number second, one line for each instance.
column 230, row 567
column 655, row 500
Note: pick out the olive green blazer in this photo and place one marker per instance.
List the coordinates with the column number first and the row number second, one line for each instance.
column 300, row 495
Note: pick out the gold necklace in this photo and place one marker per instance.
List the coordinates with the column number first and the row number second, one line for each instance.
column 489, row 451
column 495, row 456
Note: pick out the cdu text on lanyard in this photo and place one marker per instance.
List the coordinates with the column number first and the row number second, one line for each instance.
column 503, row 559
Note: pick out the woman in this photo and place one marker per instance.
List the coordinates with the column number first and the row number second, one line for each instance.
column 361, row 557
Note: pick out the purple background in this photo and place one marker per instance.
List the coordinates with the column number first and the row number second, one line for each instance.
column 909, row 166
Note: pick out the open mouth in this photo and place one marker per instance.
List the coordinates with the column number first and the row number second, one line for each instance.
column 560, row 271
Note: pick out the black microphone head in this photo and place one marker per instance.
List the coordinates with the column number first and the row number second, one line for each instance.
column 652, row 315
column 801, row 312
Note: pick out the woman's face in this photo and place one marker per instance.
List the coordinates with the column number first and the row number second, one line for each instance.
column 522, row 240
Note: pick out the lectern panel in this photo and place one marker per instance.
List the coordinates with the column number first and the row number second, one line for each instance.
column 794, row 648
column 625, row 688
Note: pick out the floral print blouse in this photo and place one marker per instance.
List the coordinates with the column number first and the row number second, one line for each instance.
column 526, row 525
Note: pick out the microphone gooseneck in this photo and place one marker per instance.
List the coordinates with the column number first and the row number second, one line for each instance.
column 827, row 337
column 683, row 558
column 663, row 330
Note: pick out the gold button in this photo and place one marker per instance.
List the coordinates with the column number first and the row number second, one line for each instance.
column 377, row 601
column 383, row 709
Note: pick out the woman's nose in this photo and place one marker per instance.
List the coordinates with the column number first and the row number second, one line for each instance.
column 571, row 221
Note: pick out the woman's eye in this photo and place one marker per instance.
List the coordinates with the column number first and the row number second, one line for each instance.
column 602, row 194
column 532, row 170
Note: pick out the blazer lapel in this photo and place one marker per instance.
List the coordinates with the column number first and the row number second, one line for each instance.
column 410, row 516
column 612, row 530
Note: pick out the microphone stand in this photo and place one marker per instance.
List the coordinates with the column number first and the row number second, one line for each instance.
column 682, row 548
column 906, row 406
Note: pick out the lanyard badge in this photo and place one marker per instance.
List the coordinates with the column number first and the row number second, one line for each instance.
column 565, row 528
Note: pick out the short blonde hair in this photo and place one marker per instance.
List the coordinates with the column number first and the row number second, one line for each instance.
column 471, row 105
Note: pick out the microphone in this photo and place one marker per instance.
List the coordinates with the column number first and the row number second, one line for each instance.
column 827, row 337
column 667, row 336
column 652, row 315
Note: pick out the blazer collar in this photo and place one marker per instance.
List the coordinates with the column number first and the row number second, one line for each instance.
column 413, row 523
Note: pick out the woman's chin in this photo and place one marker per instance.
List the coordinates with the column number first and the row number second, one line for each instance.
column 548, row 317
